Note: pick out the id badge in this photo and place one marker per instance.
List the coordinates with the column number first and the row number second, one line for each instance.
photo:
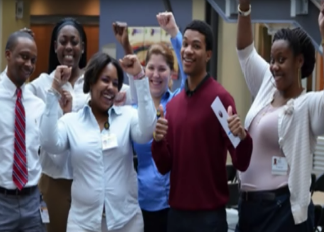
column 279, row 166
column 109, row 141
column 44, row 212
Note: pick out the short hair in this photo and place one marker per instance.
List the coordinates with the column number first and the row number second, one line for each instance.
column 94, row 68
column 161, row 49
column 203, row 28
column 53, row 60
column 12, row 40
column 299, row 43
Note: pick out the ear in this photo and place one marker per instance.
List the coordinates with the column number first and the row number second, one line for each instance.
column 7, row 54
column 82, row 47
column 55, row 46
column 300, row 60
column 209, row 55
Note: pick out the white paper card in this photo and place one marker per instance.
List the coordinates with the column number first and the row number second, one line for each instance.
column 222, row 115
column 109, row 141
column 279, row 166
column 44, row 213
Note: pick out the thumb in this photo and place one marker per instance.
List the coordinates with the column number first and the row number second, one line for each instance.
column 161, row 111
column 230, row 111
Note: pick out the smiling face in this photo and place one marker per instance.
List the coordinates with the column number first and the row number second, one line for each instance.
column 68, row 46
column 159, row 74
column 105, row 89
column 284, row 65
column 21, row 60
column 193, row 53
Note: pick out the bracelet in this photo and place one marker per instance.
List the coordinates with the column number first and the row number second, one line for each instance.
column 244, row 13
column 140, row 75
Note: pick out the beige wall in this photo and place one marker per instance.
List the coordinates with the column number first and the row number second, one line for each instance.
column 198, row 9
column 63, row 7
column 229, row 72
column 9, row 23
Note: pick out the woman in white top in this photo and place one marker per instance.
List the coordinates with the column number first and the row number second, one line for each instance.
column 99, row 137
column 68, row 47
column 284, row 122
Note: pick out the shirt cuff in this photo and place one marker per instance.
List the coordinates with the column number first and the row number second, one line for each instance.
column 143, row 90
column 51, row 103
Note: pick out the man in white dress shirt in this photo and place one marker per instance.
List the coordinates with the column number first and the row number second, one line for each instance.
column 20, row 170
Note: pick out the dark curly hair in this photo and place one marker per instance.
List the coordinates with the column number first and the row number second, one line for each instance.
column 300, row 43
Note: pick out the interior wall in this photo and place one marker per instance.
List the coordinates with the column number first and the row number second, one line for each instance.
column 9, row 23
column 229, row 71
column 65, row 7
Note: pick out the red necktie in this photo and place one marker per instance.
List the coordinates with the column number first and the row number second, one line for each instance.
column 19, row 173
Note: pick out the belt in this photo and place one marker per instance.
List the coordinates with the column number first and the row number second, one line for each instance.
column 17, row 192
column 264, row 195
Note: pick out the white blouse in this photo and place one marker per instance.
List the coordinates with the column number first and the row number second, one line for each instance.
column 101, row 178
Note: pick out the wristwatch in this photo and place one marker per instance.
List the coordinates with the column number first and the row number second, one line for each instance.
column 244, row 13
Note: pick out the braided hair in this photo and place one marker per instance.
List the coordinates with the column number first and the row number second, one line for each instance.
column 300, row 43
column 53, row 60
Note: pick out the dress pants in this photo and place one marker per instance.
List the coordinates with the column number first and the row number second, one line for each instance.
column 57, row 196
column 197, row 221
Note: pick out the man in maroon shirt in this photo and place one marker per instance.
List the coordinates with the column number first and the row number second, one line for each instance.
column 191, row 143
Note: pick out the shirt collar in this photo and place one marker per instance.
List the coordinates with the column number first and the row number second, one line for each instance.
column 10, row 86
column 112, row 110
column 166, row 95
column 189, row 92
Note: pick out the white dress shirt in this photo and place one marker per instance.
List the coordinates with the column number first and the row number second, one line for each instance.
column 34, row 107
column 53, row 165
column 101, row 178
column 3, row 73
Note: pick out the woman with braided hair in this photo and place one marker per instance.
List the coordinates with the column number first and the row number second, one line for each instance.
column 284, row 122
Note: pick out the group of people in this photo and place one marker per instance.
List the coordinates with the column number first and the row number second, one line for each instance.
column 68, row 137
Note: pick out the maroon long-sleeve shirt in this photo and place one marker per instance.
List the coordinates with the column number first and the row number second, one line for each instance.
column 195, row 149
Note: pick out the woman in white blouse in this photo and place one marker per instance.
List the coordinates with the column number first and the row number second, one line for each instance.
column 104, row 188
column 284, row 122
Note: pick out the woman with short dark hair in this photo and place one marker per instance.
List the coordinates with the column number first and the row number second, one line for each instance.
column 99, row 137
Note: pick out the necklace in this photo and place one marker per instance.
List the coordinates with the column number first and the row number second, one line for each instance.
column 106, row 125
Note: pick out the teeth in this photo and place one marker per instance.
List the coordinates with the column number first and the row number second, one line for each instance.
column 68, row 56
column 109, row 97
column 188, row 60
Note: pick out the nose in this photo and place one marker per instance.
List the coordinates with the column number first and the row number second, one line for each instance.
column 110, row 85
column 68, row 46
column 156, row 73
column 188, row 50
column 28, row 63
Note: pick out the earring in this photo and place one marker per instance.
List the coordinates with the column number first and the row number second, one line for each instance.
column 299, row 77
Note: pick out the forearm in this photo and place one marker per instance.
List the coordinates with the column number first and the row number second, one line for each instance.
column 50, row 139
column 241, row 156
